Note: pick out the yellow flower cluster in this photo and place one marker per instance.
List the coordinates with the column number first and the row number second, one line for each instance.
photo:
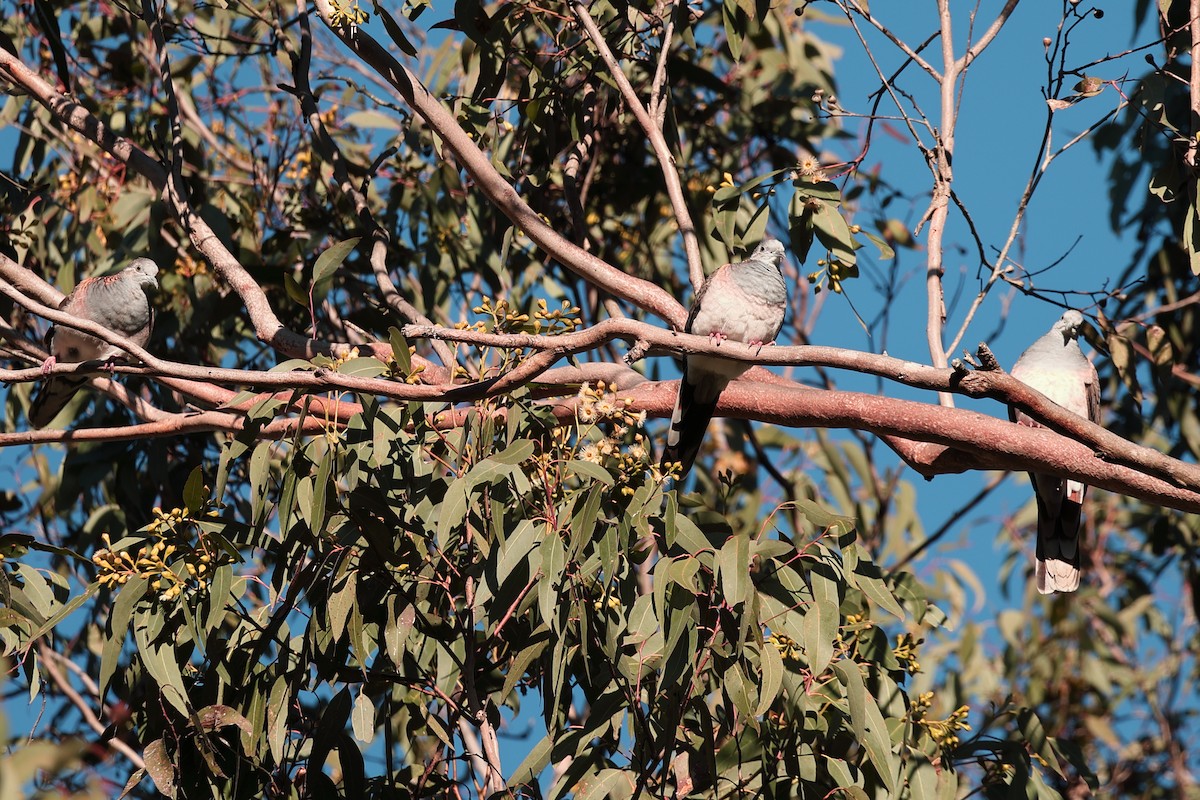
column 68, row 188
column 945, row 732
column 155, row 560
column 300, row 168
column 788, row 648
column 187, row 267
column 107, row 181
column 629, row 463
column 906, row 651
column 329, row 118
column 560, row 320
column 609, row 601
column 834, row 269
column 998, row 772
column 348, row 16
column 601, row 404
column 338, row 362
column 504, row 318
column 599, row 452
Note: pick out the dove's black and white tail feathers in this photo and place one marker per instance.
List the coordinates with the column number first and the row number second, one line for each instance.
column 1058, row 555
column 689, row 421
column 1059, row 518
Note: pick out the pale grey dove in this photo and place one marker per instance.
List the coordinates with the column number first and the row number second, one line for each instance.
column 1056, row 367
column 119, row 302
column 744, row 301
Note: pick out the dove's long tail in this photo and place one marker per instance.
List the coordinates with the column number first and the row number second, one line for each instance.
column 694, row 407
column 1059, row 517
column 1060, row 514
column 51, row 398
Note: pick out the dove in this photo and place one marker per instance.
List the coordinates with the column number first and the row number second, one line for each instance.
column 119, row 302
column 1056, row 367
column 744, row 301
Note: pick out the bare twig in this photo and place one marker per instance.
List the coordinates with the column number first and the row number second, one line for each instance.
column 1193, row 159
column 862, row 10
column 51, row 661
column 658, row 100
column 981, row 44
column 493, row 774
column 652, row 126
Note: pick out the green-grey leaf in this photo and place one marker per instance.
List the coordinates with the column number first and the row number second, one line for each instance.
column 868, row 724
column 332, row 258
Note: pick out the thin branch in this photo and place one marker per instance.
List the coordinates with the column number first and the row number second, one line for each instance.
column 974, row 50
column 862, row 10
column 493, row 774
column 939, row 205
column 658, row 100
column 952, row 521
column 50, row 661
column 176, row 425
column 998, row 267
column 1193, row 159
column 653, row 131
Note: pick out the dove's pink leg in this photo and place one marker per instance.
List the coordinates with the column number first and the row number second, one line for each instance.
column 48, row 365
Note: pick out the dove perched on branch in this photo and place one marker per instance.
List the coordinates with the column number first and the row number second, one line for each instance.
column 1056, row 367
column 119, row 302
column 744, row 301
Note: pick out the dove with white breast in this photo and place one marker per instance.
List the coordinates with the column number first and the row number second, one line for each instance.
column 1056, row 367
column 744, row 301
column 119, row 302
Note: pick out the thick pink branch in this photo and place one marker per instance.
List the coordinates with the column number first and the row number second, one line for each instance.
column 982, row 383
column 986, row 442
column 976, row 384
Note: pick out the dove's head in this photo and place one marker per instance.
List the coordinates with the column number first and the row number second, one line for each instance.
column 145, row 273
column 769, row 250
column 1069, row 325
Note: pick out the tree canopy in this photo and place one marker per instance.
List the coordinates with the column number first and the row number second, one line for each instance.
column 377, row 511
